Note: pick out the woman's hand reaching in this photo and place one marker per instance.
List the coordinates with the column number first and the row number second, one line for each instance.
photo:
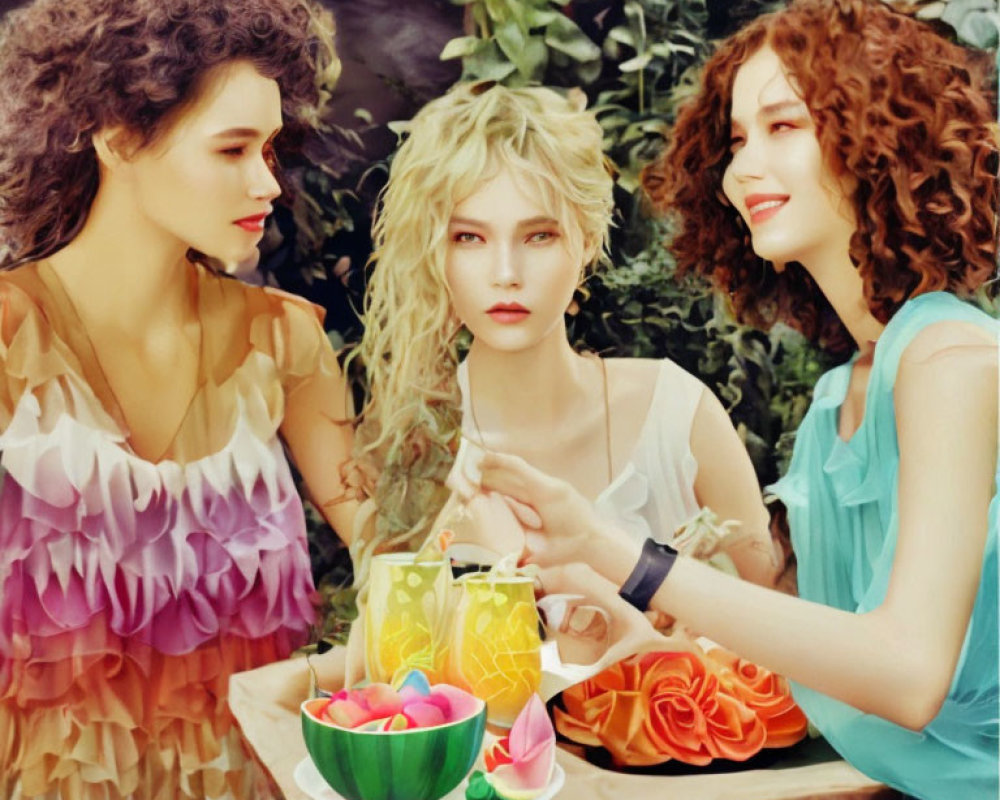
column 560, row 523
column 592, row 626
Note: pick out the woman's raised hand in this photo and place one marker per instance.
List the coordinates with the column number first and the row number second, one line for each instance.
column 560, row 522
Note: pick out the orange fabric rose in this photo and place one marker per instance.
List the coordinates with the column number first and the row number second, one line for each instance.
column 765, row 693
column 655, row 707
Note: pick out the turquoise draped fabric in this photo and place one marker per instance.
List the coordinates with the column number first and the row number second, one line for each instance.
column 843, row 514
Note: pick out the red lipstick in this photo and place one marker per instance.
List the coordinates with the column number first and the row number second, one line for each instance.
column 761, row 207
column 254, row 224
column 508, row 313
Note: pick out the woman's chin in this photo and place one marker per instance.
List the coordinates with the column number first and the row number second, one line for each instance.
column 234, row 262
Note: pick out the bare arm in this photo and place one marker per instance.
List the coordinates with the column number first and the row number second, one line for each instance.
column 317, row 430
column 727, row 484
column 895, row 661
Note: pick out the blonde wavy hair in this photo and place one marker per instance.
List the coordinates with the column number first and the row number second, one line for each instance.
column 406, row 441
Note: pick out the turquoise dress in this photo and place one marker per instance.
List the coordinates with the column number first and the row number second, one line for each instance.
column 844, row 516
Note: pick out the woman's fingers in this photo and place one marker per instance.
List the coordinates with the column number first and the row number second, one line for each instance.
column 630, row 631
column 513, row 476
column 525, row 514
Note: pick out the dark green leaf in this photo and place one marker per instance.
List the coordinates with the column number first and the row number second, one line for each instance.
column 563, row 35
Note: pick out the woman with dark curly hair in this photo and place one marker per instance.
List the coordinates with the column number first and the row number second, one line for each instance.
column 837, row 171
column 152, row 540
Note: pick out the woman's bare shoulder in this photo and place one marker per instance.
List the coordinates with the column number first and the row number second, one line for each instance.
column 941, row 341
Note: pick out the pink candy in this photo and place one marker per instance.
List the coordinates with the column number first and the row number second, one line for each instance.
column 379, row 707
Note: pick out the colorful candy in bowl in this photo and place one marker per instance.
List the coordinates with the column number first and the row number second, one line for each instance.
column 380, row 743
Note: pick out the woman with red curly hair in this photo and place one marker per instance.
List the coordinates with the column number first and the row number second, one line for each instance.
column 152, row 541
column 837, row 171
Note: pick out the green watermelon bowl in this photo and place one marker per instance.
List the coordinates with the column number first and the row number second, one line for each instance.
column 382, row 760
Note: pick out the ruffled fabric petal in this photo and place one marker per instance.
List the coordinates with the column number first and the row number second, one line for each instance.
column 131, row 590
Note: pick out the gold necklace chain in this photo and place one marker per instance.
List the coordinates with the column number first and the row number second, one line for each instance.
column 607, row 415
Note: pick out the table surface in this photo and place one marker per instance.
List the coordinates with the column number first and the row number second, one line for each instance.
column 265, row 702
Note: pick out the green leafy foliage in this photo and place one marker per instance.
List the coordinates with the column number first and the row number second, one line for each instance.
column 975, row 22
column 517, row 40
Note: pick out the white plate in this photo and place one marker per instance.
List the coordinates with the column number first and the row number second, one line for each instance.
column 311, row 782
column 558, row 779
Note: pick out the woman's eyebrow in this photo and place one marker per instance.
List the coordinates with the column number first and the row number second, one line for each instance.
column 780, row 107
column 524, row 223
column 232, row 133
column 540, row 220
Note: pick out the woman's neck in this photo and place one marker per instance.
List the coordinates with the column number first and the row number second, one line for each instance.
column 528, row 391
column 122, row 270
column 841, row 283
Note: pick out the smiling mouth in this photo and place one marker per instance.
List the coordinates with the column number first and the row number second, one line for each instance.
column 763, row 209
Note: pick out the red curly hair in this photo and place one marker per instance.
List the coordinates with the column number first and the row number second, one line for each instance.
column 898, row 108
column 70, row 67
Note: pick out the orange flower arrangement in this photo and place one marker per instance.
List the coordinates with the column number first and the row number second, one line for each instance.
column 688, row 706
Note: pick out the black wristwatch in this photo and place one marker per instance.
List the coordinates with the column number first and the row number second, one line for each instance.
column 648, row 575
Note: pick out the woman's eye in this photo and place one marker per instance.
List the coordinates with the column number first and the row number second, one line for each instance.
column 464, row 237
column 234, row 152
column 542, row 236
column 778, row 127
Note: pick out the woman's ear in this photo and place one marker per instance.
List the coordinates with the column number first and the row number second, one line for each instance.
column 112, row 145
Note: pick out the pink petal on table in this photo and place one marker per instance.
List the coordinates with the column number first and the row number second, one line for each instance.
column 532, row 744
column 424, row 715
column 460, row 704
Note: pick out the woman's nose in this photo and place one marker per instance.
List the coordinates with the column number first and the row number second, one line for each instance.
column 262, row 183
column 747, row 161
column 506, row 272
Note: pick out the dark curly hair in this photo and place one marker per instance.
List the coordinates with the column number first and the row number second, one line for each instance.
column 70, row 67
column 903, row 111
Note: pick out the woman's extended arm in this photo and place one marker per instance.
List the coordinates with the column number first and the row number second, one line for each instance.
column 895, row 661
column 317, row 427
column 319, row 435
column 727, row 484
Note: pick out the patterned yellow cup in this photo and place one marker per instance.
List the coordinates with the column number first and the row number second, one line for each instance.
column 496, row 652
column 406, row 624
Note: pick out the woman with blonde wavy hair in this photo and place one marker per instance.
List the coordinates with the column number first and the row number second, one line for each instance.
column 498, row 202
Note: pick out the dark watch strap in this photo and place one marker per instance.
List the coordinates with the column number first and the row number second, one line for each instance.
column 647, row 576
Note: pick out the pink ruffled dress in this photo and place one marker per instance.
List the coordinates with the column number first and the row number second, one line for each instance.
column 130, row 590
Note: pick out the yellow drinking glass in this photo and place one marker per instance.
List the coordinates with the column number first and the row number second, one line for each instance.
column 406, row 617
column 496, row 654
